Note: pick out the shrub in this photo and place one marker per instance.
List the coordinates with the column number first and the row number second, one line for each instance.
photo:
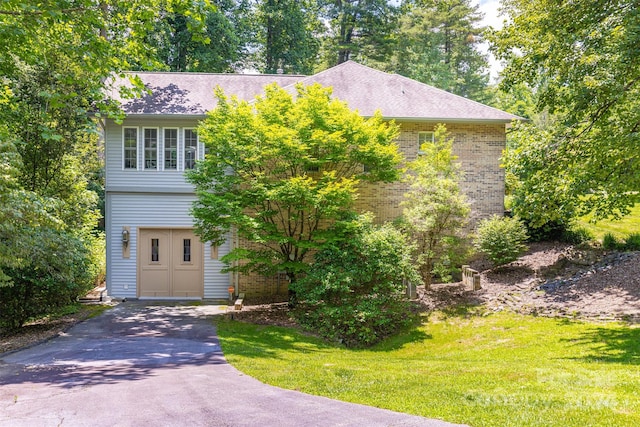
column 501, row 239
column 550, row 231
column 632, row 242
column 55, row 272
column 457, row 252
column 96, row 246
column 610, row 242
column 355, row 289
column 576, row 235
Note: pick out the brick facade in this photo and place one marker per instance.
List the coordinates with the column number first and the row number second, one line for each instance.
column 479, row 149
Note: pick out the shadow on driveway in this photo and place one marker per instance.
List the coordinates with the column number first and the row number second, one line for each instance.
column 145, row 364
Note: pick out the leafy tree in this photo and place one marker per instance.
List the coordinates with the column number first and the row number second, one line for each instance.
column 282, row 170
column 359, row 29
column 9, row 209
column 543, row 201
column 287, row 36
column 55, row 57
column 435, row 211
column 50, row 132
column 42, row 265
column 581, row 59
column 438, row 44
column 519, row 100
column 355, row 290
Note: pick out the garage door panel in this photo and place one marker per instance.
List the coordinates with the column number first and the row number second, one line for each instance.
column 170, row 264
column 187, row 264
column 154, row 263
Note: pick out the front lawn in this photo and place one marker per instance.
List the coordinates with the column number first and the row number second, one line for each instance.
column 495, row 370
column 620, row 228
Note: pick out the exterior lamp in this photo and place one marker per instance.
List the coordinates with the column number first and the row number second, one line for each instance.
column 125, row 238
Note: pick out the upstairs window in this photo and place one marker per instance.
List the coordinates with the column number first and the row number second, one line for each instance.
column 151, row 149
column 170, row 149
column 130, row 153
column 190, row 148
column 424, row 137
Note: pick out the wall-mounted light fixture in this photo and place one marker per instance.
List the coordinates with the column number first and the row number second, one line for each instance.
column 125, row 237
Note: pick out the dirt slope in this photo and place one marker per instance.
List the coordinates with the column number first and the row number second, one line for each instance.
column 554, row 279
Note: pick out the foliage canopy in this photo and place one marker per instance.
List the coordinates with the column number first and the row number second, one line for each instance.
column 582, row 59
column 355, row 289
column 282, row 170
column 435, row 210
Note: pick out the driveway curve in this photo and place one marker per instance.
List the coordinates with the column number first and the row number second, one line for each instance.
column 146, row 364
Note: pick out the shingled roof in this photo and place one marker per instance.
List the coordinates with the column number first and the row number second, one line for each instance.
column 363, row 88
column 398, row 97
column 192, row 93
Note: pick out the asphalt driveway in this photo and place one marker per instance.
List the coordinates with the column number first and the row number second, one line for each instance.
column 158, row 365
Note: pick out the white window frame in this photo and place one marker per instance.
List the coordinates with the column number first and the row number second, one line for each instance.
column 184, row 147
column 137, row 146
column 422, row 138
column 144, row 149
column 164, row 148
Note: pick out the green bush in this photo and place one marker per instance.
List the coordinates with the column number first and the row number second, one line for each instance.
column 576, row 235
column 550, row 231
column 501, row 239
column 96, row 246
column 632, row 242
column 629, row 243
column 457, row 252
column 610, row 242
column 354, row 292
column 55, row 272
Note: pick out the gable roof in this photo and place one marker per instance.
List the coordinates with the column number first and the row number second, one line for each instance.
column 361, row 87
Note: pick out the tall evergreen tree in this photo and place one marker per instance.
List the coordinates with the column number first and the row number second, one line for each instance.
column 220, row 45
column 438, row 44
column 287, row 36
column 435, row 210
column 359, row 29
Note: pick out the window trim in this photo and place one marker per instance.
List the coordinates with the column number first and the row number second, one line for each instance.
column 137, row 147
column 184, row 147
column 420, row 144
column 164, row 148
column 144, row 148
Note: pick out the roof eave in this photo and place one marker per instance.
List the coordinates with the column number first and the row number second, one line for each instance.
column 398, row 119
column 164, row 116
column 450, row 120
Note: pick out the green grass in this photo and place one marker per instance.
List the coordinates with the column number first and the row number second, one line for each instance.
column 496, row 370
column 621, row 228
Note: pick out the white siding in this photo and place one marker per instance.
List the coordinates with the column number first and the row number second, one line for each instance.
column 216, row 284
column 152, row 211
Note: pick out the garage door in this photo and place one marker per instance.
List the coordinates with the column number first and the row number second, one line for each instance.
column 170, row 264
